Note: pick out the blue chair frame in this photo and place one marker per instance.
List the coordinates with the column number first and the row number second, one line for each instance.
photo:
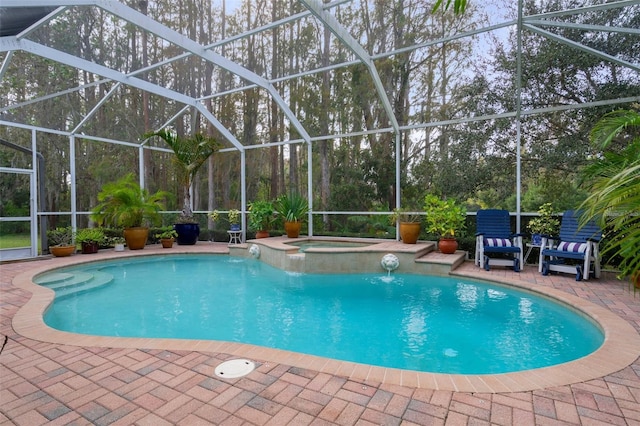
column 496, row 224
column 554, row 252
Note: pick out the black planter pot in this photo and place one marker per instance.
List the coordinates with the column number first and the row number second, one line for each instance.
column 89, row 247
column 187, row 233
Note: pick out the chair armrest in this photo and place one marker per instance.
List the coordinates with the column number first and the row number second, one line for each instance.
column 479, row 233
column 594, row 239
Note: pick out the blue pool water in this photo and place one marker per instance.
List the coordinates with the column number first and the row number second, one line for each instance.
column 426, row 323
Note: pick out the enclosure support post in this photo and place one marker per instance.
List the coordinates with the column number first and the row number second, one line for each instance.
column 72, row 178
column 518, row 94
column 310, row 187
column 33, row 190
column 243, row 193
column 398, row 172
column 141, row 165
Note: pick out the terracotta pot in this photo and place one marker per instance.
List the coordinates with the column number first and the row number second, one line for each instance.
column 448, row 245
column 262, row 234
column 292, row 229
column 409, row 232
column 166, row 242
column 136, row 238
column 62, row 251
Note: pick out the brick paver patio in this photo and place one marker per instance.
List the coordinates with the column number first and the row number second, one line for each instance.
column 47, row 383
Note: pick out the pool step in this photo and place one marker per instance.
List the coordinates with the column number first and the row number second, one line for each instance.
column 65, row 284
column 442, row 263
column 64, row 279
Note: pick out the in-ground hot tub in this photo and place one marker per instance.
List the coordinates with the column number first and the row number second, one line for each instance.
column 309, row 243
column 347, row 255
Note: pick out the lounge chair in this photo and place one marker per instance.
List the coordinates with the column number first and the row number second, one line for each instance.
column 494, row 236
column 576, row 243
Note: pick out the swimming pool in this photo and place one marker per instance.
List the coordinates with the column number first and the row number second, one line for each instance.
column 403, row 321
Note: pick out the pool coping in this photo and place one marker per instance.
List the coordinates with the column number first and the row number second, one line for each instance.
column 619, row 350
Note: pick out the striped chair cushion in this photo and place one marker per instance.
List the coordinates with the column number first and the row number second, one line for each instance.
column 497, row 242
column 572, row 247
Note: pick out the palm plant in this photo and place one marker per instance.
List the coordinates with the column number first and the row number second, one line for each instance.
column 125, row 204
column 190, row 154
column 292, row 207
column 614, row 184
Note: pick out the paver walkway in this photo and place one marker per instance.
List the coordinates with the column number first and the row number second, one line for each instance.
column 45, row 383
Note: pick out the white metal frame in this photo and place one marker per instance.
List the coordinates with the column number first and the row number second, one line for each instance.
column 322, row 12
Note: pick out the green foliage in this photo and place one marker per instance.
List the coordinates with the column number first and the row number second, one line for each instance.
column 261, row 217
column 444, row 217
column 123, row 203
column 61, row 236
column 292, row 207
column 459, row 6
column 613, row 182
column 112, row 241
column 559, row 189
column 545, row 223
column 233, row 216
column 403, row 215
column 166, row 233
column 90, row 235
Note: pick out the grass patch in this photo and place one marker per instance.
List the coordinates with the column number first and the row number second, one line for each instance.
column 15, row 240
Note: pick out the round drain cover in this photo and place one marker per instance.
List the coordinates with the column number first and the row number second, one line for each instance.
column 235, row 368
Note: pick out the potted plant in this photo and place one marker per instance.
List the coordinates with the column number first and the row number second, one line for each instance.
column 233, row 216
column 117, row 243
column 190, row 154
column 167, row 236
column 261, row 217
column 125, row 204
column 409, row 224
column 90, row 239
column 292, row 207
column 234, row 219
column 60, row 241
column 544, row 224
column 444, row 218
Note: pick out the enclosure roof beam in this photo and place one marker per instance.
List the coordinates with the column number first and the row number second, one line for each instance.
column 552, row 36
column 343, row 35
column 76, row 62
column 176, row 58
column 585, row 9
column 96, row 108
column 142, row 21
column 40, row 22
column 65, row 58
column 221, row 128
column 602, row 28
column 170, row 120
column 5, row 66
column 274, row 24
